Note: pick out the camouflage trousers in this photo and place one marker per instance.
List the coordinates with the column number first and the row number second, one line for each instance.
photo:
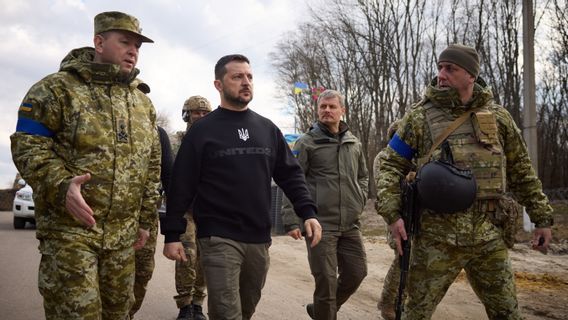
column 339, row 265
column 190, row 282
column 392, row 279
column 80, row 280
column 144, row 265
column 435, row 266
column 391, row 284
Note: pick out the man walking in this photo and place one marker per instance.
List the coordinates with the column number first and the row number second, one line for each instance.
column 87, row 143
column 189, row 278
column 333, row 161
column 474, row 137
column 223, row 170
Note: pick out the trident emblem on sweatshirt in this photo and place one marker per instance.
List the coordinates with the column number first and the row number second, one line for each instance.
column 243, row 134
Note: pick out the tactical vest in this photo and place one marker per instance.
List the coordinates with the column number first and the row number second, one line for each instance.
column 475, row 146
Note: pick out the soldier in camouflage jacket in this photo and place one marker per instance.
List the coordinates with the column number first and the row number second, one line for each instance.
column 469, row 239
column 86, row 141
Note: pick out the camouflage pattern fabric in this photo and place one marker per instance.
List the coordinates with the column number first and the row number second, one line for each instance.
column 71, row 273
column 472, row 226
column 435, row 266
column 387, row 301
column 508, row 218
column 90, row 123
column 190, row 283
column 114, row 20
column 465, row 239
column 144, row 262
column 88, row 119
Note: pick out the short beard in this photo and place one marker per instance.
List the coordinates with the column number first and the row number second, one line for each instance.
column 237, row 101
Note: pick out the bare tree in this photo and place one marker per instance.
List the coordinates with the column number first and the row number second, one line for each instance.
column 384, row 52
column 552, row 100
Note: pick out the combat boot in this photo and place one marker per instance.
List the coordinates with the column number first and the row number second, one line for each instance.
column 198, row 312
column 185, row 313
column 310, row 310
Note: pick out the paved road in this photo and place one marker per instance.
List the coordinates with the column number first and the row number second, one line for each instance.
column 19, row 261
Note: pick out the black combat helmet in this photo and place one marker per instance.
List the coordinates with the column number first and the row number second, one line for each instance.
column 444, row 188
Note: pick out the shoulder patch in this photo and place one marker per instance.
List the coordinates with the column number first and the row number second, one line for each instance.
column 26, row 107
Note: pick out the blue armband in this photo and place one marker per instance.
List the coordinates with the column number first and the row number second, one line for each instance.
column 33, row 127
column 403, row 149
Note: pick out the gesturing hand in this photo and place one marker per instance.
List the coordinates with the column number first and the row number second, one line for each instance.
column 76, row 205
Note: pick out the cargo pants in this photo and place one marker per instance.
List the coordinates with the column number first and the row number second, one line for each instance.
column 190, row 282
column 435, row 266
column 144, row 265
column 80, row 280
column 235, row 273
column 389, row 295
column 338, row 264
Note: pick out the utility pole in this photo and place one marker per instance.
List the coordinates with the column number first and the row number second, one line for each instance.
column 529, row 88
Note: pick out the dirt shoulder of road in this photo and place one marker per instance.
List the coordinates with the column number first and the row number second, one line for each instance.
column 542, row 281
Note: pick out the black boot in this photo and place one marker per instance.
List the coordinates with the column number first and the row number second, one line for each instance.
column 198, row 312
column 310, row 310
column 185, row 313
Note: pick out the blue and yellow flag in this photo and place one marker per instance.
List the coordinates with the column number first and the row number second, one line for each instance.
column 299, row 87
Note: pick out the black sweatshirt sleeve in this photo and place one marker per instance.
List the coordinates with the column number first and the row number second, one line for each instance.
column 182, row 189
column 289, row 176
column 167, row 160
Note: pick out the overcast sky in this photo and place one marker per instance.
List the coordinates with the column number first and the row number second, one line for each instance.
column 190, row 36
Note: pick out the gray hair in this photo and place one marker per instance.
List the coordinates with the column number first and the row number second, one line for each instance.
column 327, row 94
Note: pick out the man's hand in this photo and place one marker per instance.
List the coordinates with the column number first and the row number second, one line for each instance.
column 143, row 236
column 174, row 251
column 313, row 231
column 76, row 205
column 398, row 234
column 541, row 239
column 296, row 234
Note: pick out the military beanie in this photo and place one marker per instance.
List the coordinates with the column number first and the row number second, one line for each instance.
column 114, row 20
column 464, row 56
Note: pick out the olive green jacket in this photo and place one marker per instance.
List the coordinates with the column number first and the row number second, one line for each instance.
column 86, row 119
column 473, row 226
column 337, row 177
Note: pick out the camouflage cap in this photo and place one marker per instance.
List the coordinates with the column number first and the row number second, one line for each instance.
column 114, row 20
column 197, row 103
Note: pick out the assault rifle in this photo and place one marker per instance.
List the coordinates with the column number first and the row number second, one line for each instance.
column 411, row 217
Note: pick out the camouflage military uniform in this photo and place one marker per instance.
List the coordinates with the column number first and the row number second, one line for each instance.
column 466, row 240
column 190, row 283
column 144, row 268
column 144, row 257
column 189, row 277
column 387, row 300
column 84, row 119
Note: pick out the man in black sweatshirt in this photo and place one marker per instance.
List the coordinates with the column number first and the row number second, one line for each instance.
column 223, row 169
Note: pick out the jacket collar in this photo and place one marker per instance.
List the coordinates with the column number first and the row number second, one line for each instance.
column 449, row 98
column 80, row 62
